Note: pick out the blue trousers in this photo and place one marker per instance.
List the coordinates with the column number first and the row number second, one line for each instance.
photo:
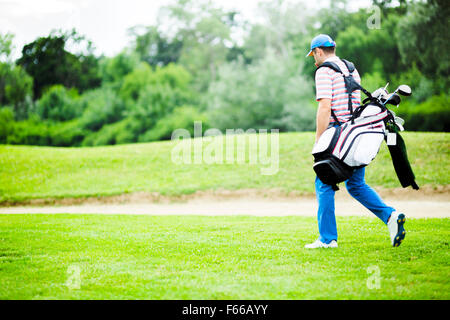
column 359, row 190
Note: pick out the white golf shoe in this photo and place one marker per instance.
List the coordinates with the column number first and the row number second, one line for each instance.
column 319, row 244
column 396, row 230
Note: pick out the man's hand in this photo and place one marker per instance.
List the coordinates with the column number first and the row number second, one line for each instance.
column 323, row 117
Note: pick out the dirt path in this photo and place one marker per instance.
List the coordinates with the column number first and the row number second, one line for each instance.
column 415, row 204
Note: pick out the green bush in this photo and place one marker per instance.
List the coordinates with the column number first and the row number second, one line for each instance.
column 113, row 70
column 174, row 77
column 422, row 87
column 59, row 104
column 135, row 81
column 431, row 115
column 156, row 102
column 116, row 133
column 29, row 132
column 101, row 106
column 67, row 134
column 181, row 118
column 6, row 123
column 33, row 131
column 375, row 79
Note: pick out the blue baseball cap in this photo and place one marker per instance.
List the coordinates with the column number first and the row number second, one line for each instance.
column 322, row 40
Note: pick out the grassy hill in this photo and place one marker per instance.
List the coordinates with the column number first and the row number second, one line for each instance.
column 44, row 172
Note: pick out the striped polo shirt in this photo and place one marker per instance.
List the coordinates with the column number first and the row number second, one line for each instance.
column 330, row 84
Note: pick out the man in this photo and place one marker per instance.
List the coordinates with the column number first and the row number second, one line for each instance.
column 332, row 96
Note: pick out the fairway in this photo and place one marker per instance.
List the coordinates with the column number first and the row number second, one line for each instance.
column 55, row 173
column 197, row 257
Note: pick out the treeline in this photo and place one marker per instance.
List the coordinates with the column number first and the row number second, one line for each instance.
column 214, row 67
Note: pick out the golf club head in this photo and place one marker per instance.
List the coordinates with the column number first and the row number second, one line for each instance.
column 394, row 100
column 404, row 90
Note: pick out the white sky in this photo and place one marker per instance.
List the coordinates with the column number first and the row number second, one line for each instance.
column 105, row 22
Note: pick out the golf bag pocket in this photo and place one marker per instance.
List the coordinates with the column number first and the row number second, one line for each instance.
column 367, row 144
column 332, row 171
column 360, row 144
column 342, row 149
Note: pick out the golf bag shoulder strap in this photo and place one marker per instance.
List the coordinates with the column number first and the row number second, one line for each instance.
column 350, row 66
column 334, row 67
column 330, row 65
column 350, row 84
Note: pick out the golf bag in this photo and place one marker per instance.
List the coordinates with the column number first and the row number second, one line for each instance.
column 354, row 144
column 343, row 148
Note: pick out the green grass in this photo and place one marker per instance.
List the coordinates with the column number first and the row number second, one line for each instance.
column 44, row 172
column 240, row 257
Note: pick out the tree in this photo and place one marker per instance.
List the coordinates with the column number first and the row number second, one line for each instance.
column 422, row 38
column 386, row 5
column 264, row 95
column 6, row 46
column 336, row 18
column 205, row 30
column 154, row 48
column 49, row 63
column 15, row 84
column 364, row 47
column 16, row 89
column 113, row 70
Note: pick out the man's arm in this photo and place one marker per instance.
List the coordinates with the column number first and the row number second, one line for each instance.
column 323, row 117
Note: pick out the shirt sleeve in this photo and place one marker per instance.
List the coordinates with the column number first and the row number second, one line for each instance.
column 324, row 89
column 356, row 76
column 356, row 96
